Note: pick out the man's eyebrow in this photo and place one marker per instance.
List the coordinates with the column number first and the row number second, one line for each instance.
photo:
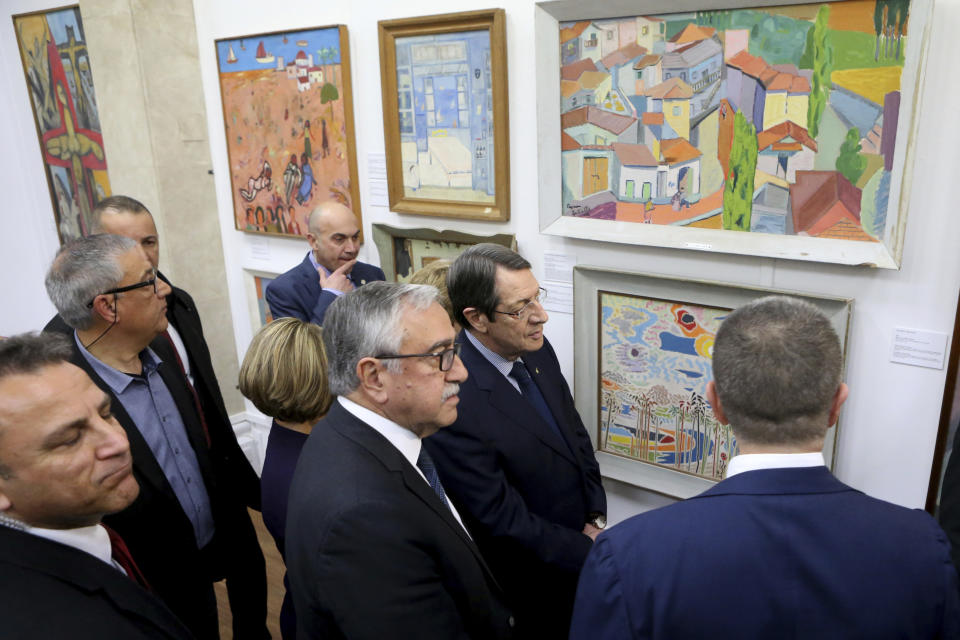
column 440, row 343
column 54, row 438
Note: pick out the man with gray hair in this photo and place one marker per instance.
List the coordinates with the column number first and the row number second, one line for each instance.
column 64, row 464
column 329, row 269
column 780, row 548
column 188, row 528
column 374, row 547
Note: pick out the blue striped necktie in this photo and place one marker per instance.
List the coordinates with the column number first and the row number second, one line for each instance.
column 425, row 464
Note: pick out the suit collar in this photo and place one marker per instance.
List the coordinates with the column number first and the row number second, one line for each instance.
column 506, row 399
column 778, row 482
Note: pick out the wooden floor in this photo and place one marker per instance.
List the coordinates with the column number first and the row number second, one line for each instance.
column 275, row 590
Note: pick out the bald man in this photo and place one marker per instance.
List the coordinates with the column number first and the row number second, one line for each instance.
column 329, row 269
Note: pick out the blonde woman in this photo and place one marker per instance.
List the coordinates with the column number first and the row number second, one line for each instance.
column 284, row 374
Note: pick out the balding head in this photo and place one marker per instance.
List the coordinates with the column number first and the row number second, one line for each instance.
column 333, row 234
column 124, row 216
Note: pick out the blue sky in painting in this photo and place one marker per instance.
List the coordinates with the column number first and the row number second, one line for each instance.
column 59, row 20
column 316, row 40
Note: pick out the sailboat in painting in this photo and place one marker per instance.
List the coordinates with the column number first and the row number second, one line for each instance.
column 231, row 57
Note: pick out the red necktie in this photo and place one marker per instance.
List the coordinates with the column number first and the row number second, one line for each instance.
column 122, row 556
column 186, row 378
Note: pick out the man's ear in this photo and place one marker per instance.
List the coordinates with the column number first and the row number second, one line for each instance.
column 105, row 306
column 714, row 401
column 478, row 321
column 372, row 383
column 312, row 240
column 838, row 399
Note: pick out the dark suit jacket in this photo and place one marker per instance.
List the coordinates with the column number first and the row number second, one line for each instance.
column 50, row 590
column 182, row 314
column 950, row 501
column 297, row 293
column 524, row 494
column 160, row 536
column 774, row 553
column 371, row 550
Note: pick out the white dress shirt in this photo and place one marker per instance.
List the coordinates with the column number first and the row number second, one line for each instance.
column 756, row 461
column 403, row 440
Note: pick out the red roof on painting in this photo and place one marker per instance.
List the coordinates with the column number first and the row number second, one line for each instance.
column 612, row 122
column 301, row 55
column 693, row 33
column 787, row 129
column 652, row 117
column 749, row 64
column 821, row 199
column 634, row 155
column 674, row 88
column 568, row 142
column 569, row 33
column 647, row 60
column 623, row 55
column 573, row 70
column 677, row 150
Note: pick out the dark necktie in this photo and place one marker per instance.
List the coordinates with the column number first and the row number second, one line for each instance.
column 531, row 392
column 193, row 392
column 122, row 556
column 425, row 464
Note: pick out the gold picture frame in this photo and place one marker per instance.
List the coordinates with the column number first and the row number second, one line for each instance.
column 445, row 114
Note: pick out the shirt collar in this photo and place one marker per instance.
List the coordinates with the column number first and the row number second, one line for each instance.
column 404, row 440
column 317, row 265
column 93, row 540
column 499, row 363
column 757, row 461
column 117, row 380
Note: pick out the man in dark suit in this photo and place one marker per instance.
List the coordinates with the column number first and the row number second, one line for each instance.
column 780, row 548
column 189, row 526
column 374, row 548
column 64, row 464
column 518, row 459
column 329, row 269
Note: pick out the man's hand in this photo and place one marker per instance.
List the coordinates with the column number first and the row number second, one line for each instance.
column 337, row 280
column 591, row 531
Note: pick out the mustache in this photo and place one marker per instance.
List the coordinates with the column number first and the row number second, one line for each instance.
column 450, row 389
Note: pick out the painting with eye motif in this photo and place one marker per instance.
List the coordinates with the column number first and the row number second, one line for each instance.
column 655, row 365
column 56, row 64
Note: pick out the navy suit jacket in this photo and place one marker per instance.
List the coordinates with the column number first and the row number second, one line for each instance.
column 773, row 553
column 523, row 493
column 51, row 590
column 371, row 550
column 297, row 293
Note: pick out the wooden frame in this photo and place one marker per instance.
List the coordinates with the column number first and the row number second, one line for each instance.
column 272, row 103
column 254, row 284
column 67, row 126
column 448, row 244
column 675, row 465
column 679, row 233
column 436, row 165
column 949, row 422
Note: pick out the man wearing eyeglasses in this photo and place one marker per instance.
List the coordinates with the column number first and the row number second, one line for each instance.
column 374, row 548
column 518, row 461
column 188, row 527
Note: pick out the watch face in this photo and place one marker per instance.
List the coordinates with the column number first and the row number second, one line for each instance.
column 600, row 522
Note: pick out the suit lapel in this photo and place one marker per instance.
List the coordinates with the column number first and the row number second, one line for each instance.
column 308, row 275
column 502, row 396
column 351, row 427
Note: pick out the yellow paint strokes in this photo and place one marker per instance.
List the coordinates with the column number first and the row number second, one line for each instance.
column 872, row 84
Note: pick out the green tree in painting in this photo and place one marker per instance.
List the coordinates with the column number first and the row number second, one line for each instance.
column 821, row 56
column 329, row 94
column 851, row 163
column 889, row 20
column 738, row 189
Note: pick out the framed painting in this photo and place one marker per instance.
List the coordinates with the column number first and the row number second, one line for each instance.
column 56, row 64
column 777, row 131
column 945, row 447
column 445, row 119
column 643, row 356
column 255, row 283
column 405, row 251
column 288, row 113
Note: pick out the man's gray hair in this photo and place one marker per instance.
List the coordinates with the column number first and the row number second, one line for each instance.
column 776, row 366
column 27, row 353
column 471, row 281
column 367, row 322
column 82, row 270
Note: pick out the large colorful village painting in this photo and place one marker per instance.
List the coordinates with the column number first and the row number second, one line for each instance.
column 777, row 120
column 656, row 360
column 288, row 116
column 57, row 66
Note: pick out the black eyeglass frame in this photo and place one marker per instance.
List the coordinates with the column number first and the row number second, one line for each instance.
column 439, row 355
column 524, row 310
column 129, row 287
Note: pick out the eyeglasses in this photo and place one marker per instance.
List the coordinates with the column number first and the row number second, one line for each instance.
column 524, row 311
column 444, row 358
column 130, row 287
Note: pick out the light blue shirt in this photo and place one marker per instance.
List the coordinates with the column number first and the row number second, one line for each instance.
column 326, row 272
column 152, row 408
column 499, row 363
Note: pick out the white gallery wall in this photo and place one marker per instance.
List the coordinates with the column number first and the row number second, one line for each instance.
column 889, row 424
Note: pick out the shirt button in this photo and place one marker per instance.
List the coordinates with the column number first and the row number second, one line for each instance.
column 189, row 480
column 176, row 451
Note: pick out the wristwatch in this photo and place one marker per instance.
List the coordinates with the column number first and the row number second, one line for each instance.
column 597, row 519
